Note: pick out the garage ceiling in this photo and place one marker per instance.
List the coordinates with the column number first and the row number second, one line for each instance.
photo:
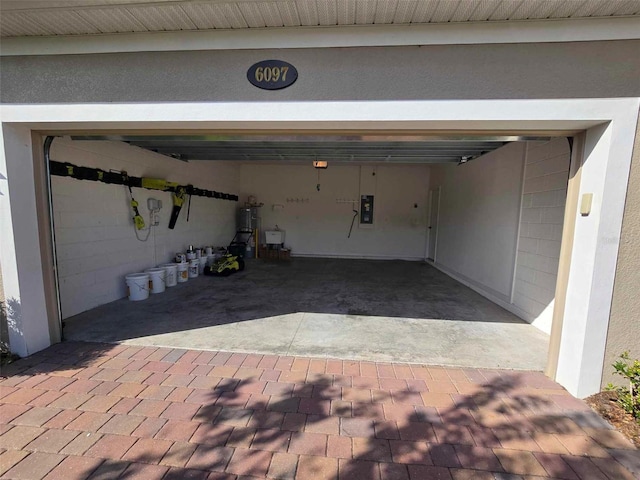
column 82, row 17
column 335, row 149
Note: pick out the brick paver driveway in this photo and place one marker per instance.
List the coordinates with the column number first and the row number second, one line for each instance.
column 82, row 410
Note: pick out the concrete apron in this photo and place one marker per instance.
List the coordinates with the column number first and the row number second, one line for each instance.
column 343, row 309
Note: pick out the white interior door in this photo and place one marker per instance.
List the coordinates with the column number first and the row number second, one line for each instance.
column 434, row 208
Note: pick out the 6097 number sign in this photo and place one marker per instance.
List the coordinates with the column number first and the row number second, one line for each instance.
column 272, row 74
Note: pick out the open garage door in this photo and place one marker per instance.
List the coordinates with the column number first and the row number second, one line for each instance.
column 359, row 232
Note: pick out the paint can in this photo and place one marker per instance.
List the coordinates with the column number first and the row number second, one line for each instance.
column 203, row 263
column 208, row 251
column 194, row 266
column 137, row 286
column 181, row 257
column 198, row 253
column 191, row 256
column 156, row 279
column 183, row 272
column 171, row 274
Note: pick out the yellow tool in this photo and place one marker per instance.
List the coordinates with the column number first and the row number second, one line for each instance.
column 138, row 221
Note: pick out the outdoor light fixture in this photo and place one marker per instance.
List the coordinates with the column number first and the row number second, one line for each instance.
column 320, row 164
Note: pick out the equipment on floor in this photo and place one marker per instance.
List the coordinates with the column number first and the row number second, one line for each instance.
column 225, row 266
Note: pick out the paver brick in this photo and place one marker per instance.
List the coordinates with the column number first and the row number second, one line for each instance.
column 124, row 405
column 89, row 421
column 10, row 458
column 339, row 447
column 109, row 469
column 358, row 470
column 19, row 436
column 46, row 399
column 99, row 403
column 22, row 396
column 177, row 430
column 212, row 434
column 374, row 449
column 211, row 458
column 283, row 466
column 249, row 462
column 51, row 441
column 81, row 443
column 142, row 471
column 74, row 467
column 9, row 412
column 121, row 425
column 178, row 454
column 111, row 446
column 317, row 467
column 150, row 408
column 308, row 443
column 147, row 450
column 70, row 401
column 519, row 462
column 36, row 465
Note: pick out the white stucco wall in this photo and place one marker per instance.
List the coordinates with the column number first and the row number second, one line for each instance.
column 478, row 219
column 317, row 222
column 95, row 239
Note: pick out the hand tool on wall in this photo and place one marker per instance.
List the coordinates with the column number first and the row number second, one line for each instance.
column 138, row 221
column 178, row 198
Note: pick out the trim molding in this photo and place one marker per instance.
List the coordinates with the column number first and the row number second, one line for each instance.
column 467, row 33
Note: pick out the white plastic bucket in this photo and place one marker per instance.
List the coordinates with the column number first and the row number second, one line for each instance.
column 211, row 259
column 156, row 279
column 203, row 263
column 171, row 274
column 183, row 272
column 138, row 286
column 194, row 266
column 208, row 251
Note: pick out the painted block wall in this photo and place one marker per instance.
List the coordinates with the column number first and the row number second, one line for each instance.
column 317, row 222
column 478, row 219
column 543, row 202
column 95, row 237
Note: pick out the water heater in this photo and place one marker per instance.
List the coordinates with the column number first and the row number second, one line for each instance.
column 247, row 219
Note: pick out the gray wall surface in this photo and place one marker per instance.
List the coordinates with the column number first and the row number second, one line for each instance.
column 624, row 321
column 546, row 70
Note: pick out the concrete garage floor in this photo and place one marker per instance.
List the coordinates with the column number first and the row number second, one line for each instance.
column 349, row 309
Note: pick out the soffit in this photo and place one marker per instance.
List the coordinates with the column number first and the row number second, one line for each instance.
column 22, row 18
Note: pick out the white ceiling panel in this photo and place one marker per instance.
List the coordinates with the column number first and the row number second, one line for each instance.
column 18, row 23
column 308, row 13
column 464, row 11
column 327, row 12
column 81, row 17
column 166, row 17
column 270, row 14
column 206, row 15
column 444, row 11
column 534, row 9
column 484, row 10
column 566, row 9
column 346, row 10
column 505, row 9
column 112, row 20
column 404, row 11
column 385, row 12
column 251, row 14
column 365, row 12
column 424, row 11
column 64, row 22
column 289, row 14
column 233, row 15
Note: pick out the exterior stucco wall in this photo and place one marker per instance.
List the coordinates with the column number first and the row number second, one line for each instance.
column 603, row 69
column 624, row 322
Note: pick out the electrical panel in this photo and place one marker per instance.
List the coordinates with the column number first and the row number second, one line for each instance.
column 366, row 209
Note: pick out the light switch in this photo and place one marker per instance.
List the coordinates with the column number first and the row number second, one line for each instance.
column 585, row 204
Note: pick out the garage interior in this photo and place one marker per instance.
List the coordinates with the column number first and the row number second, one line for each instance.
column 457, row 267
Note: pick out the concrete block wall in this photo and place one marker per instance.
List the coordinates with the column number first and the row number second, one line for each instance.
column 96, row 245
column 543, row 202
column 317, row 222
column 478, row 219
